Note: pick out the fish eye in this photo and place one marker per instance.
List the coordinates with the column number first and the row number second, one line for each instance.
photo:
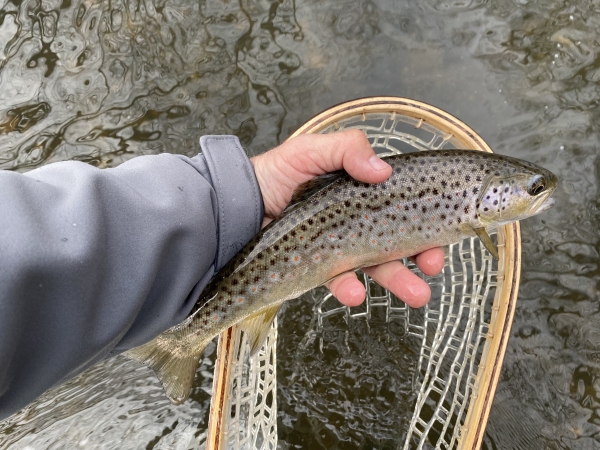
column 536, row 185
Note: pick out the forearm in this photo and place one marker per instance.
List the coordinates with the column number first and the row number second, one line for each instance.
column 93, row 262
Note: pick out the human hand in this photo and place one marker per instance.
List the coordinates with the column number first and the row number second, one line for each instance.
column 297, row 160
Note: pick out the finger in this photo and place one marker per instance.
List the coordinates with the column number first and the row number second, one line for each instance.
column 430, row 262
column 349, row 150
column 395, row 277
column 347, row 289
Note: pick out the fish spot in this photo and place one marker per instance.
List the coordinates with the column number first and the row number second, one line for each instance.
column 475, row 190
column 310, row 221
column 419, row 228
column 424, row 209
column 240, row 299
column 506, row 189
column 485, row 209
column 456, row 207
column 323, row 220
column 467, row 209
column 495, row 202
column 414, row 205
column 468, row 178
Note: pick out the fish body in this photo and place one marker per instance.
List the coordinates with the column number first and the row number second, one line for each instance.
column 335, row 224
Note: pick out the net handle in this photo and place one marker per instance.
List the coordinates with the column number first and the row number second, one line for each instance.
column 509, row 269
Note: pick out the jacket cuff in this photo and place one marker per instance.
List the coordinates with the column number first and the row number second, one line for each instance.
column 239, row 200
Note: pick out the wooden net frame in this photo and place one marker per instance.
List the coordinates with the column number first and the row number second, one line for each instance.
column 460, row 368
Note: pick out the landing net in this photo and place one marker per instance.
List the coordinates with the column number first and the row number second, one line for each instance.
column 460, row 336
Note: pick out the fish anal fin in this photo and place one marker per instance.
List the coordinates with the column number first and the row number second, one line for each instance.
column 257, row 326
column 174, row 364
column 486, row 240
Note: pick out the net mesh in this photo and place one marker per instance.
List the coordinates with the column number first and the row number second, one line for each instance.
column 450, row 331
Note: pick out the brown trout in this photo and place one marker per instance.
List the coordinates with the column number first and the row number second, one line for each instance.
column 336, row 224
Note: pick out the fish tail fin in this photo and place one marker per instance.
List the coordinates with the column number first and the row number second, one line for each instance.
column 173, row 361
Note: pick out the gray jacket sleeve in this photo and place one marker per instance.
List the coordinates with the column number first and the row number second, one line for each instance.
column 96, row 261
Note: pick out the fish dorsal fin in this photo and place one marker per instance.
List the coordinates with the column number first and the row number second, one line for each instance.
column 293, row 215
column 173, row 361
column 257, row 327
column 487, row 241
column 312, row 186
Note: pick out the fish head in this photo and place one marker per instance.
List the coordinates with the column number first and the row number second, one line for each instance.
column 517, row 191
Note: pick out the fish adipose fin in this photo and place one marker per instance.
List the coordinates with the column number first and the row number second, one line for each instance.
column 487, row 241
column 174, row 364
column 257, row 327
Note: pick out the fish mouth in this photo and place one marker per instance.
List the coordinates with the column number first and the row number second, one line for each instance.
column 542, row 205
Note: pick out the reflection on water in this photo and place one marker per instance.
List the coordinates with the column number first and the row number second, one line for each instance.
column 105, row 81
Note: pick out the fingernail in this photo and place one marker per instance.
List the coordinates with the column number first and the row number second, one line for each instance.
column 377, row 163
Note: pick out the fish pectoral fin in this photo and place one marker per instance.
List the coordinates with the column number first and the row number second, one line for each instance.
column 487, row 241
column 174, row 363
column 257, row 326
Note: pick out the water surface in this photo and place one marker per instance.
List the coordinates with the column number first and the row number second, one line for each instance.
column 103, row 82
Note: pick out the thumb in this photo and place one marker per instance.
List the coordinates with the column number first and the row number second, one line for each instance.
column 349, row 150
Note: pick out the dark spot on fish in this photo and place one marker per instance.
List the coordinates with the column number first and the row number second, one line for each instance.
column 229, row 302
column 352, row 216
column 478, row 178
column 450, row 222
column 363, row 195
column 323, row 220
column 330, row 215
column 422, row 179
column 495, row 202
column 394, row 182
column 485, row 209
column 455, row 207
column 303, row 227
column 475, row 190
column 310, row 221
column 452, row 171
column 293, row 233
column 338, row 211
column 495, row 190
column 465, row 193
column 411, row 168
column 437, row 230
column 424, row 209
column 347, row 203
column 393, row 217
column 370, row 227
column 435, row 191
column 402, row 195
column 234, row 281
column 414, row 205
column 406, row 208
column 443, row 216
column 444, row 183
column 361, row 225
column 380, row 234
column 447, row 206
column 419, row 228
column 408, row 188
column 260, row 255
column 358, row 205
column 356, row 183
column 404, row 218
column 467, row 209
column 421, row 194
